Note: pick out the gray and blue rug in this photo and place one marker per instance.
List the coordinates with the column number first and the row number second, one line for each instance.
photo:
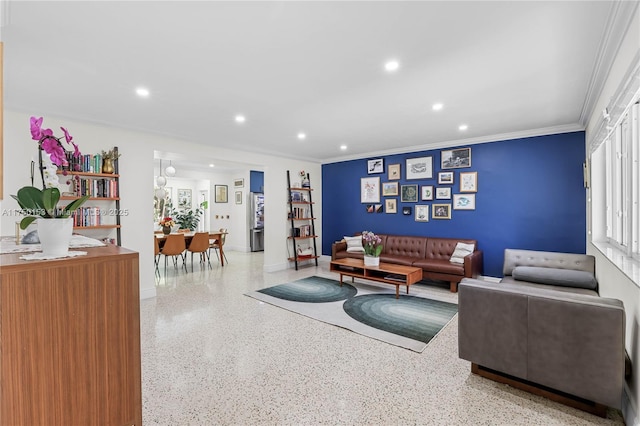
column 409, row 322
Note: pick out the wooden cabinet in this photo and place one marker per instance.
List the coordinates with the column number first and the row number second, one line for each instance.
column 70, row 340
column 303, row 230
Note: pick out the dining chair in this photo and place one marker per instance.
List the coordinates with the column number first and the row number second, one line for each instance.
column 174, row 246
column 200, row 244
column 156, row 254
column 217, row 243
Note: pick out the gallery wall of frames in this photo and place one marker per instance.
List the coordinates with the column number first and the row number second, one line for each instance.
column 523, row 193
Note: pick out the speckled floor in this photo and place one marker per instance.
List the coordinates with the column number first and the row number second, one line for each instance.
column 212, row 356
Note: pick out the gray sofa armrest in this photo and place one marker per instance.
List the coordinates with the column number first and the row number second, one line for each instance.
column 573, row 343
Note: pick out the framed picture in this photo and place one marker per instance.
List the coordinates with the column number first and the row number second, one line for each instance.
column 238, row 183
column 375, row 166
column 445, row 178
column 370, row 208
column 426, row 192
column 464, row 201
column 221, row 194
column 469, row 182
column 441, row 211
column 370, row 190
column 455, row 158
column 422, row 213
column 184, row 198
column 443, row 193
column 378, row 208
column 409, row 193
column 391, row 205
column 238, row 197
column 406, row 211
column 394, row 171
column 389, row 188
column 419, row 168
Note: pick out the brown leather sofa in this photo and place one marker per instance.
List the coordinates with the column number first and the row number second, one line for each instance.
column 545, row 329
column 429, row 253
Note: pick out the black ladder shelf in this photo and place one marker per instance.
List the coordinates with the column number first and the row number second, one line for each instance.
column 295, row 207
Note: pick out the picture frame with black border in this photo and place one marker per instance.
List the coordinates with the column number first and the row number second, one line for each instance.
column 419, row 168
column 409, row 193
column 443, row 193
column 221, row 193
column 464, row 201
column 375, row 166
column 426, row 193
column 455, row 158
column 468, row 181
column 378, row 208
column 394, row 172
column 445, row 178
column 441, row 211
column 391, row 205
column 422, row 213
column 389, row 189
column 406, row 210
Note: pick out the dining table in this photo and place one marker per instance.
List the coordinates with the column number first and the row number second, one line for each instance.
column 213, row 235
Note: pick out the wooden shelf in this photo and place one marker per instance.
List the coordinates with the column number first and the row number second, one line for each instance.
column 67, row 197
column 301, row 258
column 301, row 202
column 301, row 218
column 89, row 174
column 97, row 227
column 300, row 189
column 303, row 238
column 299, row 209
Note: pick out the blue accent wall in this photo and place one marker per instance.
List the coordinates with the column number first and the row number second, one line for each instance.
column 530, row 196
column 256, row 181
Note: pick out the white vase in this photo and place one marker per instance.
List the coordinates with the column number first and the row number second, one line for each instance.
column 55, row 235
column 371, row 260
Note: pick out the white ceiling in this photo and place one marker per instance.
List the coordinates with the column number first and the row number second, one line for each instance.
column 504, row 67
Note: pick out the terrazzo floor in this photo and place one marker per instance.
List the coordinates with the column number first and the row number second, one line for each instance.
column 212, row 356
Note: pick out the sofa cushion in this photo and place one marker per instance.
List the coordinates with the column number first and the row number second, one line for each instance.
column 354, row 244
column 440, row 266
column 461, row 250
column 401, row 245
column 396, row 259
column 575, row 290
column 555, row 276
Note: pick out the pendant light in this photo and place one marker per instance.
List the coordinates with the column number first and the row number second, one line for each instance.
column 161, row 181
column 170, row 170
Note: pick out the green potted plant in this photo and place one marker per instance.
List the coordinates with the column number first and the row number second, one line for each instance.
column 55, row 224
column 188, row 218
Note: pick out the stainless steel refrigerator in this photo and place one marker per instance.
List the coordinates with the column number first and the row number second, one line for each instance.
column 256, row 216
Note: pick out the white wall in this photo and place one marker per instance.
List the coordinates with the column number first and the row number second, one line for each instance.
column 136, row 187
column 614, row 283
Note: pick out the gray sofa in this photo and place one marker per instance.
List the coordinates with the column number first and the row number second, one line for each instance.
column 552, row 333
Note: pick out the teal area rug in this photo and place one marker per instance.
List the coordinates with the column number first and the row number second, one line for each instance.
column 409, row 322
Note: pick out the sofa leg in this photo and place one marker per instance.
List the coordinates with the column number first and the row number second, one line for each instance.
column 453, row 286
column 557, row 396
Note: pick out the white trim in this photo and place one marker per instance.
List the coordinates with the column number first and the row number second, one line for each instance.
column 148, row 293
column 629, row 412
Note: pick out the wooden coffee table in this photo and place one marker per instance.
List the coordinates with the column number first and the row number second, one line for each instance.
column 387, row 273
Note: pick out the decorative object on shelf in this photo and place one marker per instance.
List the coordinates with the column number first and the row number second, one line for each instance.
column 422, row 213
column 419, row 168
column 441, row 211
column 394, row 171
column 375, row 166
column 372, row 248
column 455, row 158
column 108, row 157
column 409, row 193
column 167, row 223
column 370, row 190
column 43, row 204
column 305, row 179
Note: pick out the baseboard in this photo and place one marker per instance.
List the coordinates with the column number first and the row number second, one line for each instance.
column 275, row 267
column 147, row 293
column 629, row 412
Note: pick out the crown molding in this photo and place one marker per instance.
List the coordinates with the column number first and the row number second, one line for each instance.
column 620, row 18
column 554, row 130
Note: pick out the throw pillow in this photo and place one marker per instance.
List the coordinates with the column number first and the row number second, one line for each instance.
column 555, row 276
column 461, row 250
column 354, row 244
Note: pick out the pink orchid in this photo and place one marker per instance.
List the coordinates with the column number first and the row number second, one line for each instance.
column 36, row 131
column 67, row 136
column 51, row 146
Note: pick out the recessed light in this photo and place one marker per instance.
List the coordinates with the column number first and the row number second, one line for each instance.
column 463, row 127
column 211, row 165
column 143, row 92
column 343, row 147
column 392, row 65
column 240, row 118
column 302, row 136
column 437, row 107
